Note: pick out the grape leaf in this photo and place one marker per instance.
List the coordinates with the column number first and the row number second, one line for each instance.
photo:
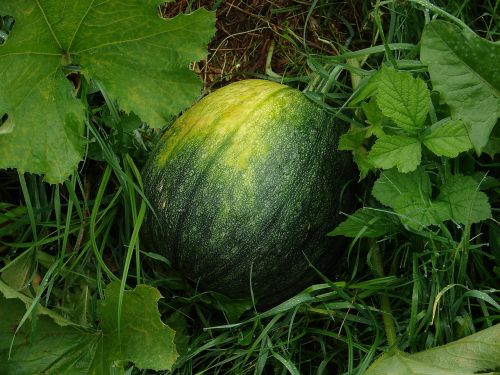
column 360, row 157
column 464, row 70
column 492, row 147
column 144, row 339
column 396, row 151
column 365, row 222
column 141, row 61
column 403, row 99
column 41, row 345
column 466, row 204
column 44, row 345
column 477, row 353
column 447, row 138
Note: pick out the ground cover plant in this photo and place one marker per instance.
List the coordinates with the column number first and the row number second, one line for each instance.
column 417, row 83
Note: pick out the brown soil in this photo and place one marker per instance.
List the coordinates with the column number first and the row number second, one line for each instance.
column 247, row 29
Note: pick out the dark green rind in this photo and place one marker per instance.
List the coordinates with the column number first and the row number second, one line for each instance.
column 222, row 215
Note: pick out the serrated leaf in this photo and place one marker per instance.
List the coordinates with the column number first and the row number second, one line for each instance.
column 375, row 118
column 42, row 346
column 392, row 184
column 353, row 139
column 365, row 222
column 466, row 204
column 464, row 70
column 477, row 353
column 447, row 138
column 360, row 157
column 143, row 339
column 396, row 151
column 139, row 59
column 409, row 195
column 403, row 99
column 416, row 212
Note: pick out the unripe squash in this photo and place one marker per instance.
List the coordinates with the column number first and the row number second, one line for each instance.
column 245, row 186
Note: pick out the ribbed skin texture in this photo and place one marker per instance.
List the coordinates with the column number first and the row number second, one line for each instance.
column 248, row 182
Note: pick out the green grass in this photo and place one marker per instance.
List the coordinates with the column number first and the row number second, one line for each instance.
column 79, row 236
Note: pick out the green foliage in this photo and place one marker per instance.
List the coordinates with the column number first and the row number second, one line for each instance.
column 397, row 118
column 140, row 60
column 464, row 70
column 366, row 222
column 41, row 345
column 398, row 151
column 402, row 118
column 477, row 353
column 403, row 99
column 466, row 204
column 447, row 138
column 429, row 185
column 50, row 345
column 142, row 339
column 61, row 245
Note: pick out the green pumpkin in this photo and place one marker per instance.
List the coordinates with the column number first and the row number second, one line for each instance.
column 245, row 186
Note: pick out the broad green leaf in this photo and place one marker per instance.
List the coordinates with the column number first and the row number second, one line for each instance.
column 42, row 346
column 465, row 203
column 447, row 138
column 396, row 151
column 375, row 118
column 409, row 195
column 360, row 157
column 464, row 70
column 18, row 273
column 141, row 61
column 10, row 293
column 45, row 119
column 403, row 99
column 392, row 184
column 365, row 222
column 143, row 339
column 477, row 353
column 416, row 212
column 353, row 141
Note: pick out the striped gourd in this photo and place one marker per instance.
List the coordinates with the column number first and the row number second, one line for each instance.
column 245, row 185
